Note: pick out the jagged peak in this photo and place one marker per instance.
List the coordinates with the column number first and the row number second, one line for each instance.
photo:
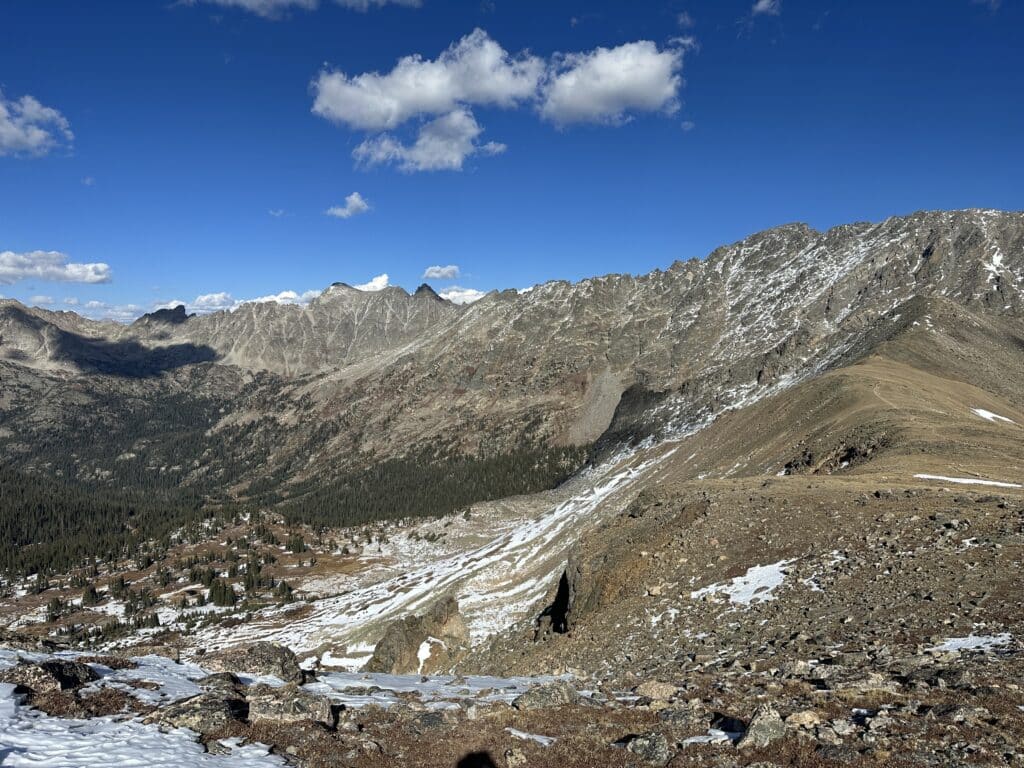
column 168, row 315
column 426, row 292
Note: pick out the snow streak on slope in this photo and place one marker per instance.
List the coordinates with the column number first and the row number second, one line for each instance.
column 496, row 584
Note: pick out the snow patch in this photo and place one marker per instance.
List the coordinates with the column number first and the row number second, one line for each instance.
column 974, row 643
column 969, row 481
column 544, row 741
column 31, row 738
column 989, row 416
column 757, row 585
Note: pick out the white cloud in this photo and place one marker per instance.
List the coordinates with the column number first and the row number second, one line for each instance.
column 379, row 283
column 688, row 125
column 41, row 301
column 71, row 301
column 222, row 301
column 606, row 84
column 88, row 181
column 28, row 128
column 275, row 9
column 684, row 20
column 101, row 310
column 475, row 70
column 767, row 8
column 354, row 205
column 365, row 5
column 458, row 295
column 277, row 213
column 443, row 144
column 49, row 265
column 441, row 273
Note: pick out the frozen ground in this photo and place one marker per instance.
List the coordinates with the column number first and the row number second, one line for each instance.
column 30, row 738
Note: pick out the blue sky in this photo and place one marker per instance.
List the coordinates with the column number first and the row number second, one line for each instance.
column 158, row 151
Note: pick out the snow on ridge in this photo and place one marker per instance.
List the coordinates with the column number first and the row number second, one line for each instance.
column 969, row 481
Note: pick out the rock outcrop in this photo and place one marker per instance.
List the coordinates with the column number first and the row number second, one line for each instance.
column 426, row 644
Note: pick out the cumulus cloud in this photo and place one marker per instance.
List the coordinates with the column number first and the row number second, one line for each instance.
column 49, row 265
column 41, row 301
column 458, row 295
column 71, row 301
column 438, row 272
column 101, row 310
column 443, row 144
column 221, row 301
column 379, row 283
column 354, row 205
column 767, row 8
column 604, row 85
column 475, row 70
column 275, row 9
column 27, row 128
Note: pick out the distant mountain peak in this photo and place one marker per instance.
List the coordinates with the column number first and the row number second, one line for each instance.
column 168, row 315
column 426, row 292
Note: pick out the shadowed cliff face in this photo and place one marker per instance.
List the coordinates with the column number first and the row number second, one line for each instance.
column 357, row 377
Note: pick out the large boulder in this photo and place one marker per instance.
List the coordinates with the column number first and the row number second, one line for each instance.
column 256, row 659
column 765, row 727
column 546, row 696
column 426, row 644
column 288, row 704
column 204, row 714
column 52, row 675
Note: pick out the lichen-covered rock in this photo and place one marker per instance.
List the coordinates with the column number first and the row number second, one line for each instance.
column 52, row 675
column 656, row 690
column 765, row 727
column 289, row 704
column 203, row 714
column 546, row 696
column 650, row 747
column 257, row 659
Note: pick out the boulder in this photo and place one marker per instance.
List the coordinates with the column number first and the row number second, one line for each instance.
column 203, row 714
column 427, row 644
column 52, row 675
column 288, row 704
column 546, row 696
column 650, row 747
column 256, row 659
column 656, row 690
column 765, row 727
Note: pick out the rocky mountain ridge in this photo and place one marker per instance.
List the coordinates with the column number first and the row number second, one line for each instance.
column 608, row 358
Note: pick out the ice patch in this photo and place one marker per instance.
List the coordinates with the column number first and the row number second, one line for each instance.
column 544, row 741
column 989, row 416
column 757, row 585
column 437, row 691
column 714, row 736
column 974, row 642
column 969, row 481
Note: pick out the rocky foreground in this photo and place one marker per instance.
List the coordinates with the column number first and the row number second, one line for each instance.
column 957, row 703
